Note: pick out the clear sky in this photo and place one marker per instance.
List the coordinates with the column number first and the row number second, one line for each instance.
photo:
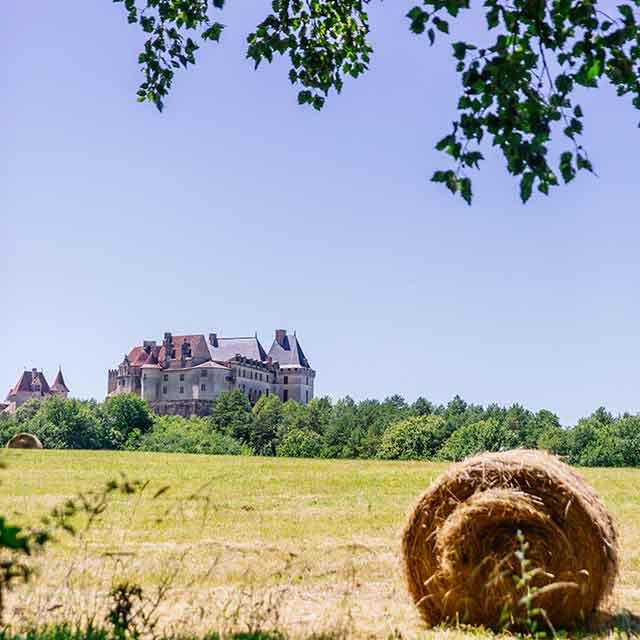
column 237, row 211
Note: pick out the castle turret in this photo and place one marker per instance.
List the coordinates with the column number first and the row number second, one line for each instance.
column 151, row 378
column 59, row 387
column 295, row 380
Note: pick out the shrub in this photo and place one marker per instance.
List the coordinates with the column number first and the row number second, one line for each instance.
column 415, row 438
column 298, row 443
column 173, row 434
column 485, row 435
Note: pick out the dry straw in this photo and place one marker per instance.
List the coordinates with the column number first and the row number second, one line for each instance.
column 460, row 541
column 24, row 441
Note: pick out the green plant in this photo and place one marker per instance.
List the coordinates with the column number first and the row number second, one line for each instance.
column 123, row 615
column 525, row 617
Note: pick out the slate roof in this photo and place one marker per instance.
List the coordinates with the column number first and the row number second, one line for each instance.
column 288, row 352
column 228, row 348
column 58, row 383
column 27, row 381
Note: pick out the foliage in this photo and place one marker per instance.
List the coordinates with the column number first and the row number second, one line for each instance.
column 66, row 424
column 485, row 435
column 390, row 429
column 268, row 417
column 520, row 77
column 232, row 415
column 525, row 615
column 298, row 443
column 173, row 434
column 415, row 438
column 125, row 419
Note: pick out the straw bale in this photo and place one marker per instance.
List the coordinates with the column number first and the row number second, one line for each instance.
column 24, row 441
column 459, row 544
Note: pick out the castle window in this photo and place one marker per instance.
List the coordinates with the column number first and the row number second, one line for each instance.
column 307, row 379
column 182, row 377
column 286, row 379
column 181, row 389
column 267, row 392
column 203, row 387
column 306, row 393
column 165, row 377
column 285, row 395
column 203, row 373
column 164, row 389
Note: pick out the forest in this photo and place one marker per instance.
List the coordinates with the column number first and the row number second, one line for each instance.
column 349, row 429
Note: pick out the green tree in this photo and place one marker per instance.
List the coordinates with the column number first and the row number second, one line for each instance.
column 342, row 438
column 520, row 77
column 554, row 439
column 415, row 438
column 299, row 443
column 232, row 415
column 125, row 418
column 605, row 449
column 267, row 420
column 422, row 407
column 627, row 430
column 27, row 410
column 66, row 424
column 476, row 437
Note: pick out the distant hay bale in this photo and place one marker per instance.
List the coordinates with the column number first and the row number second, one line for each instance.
column 24, row 441
column 460, row 541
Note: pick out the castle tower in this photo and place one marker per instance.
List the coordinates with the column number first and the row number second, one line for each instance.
column 296, row 377
column 59, row 388
column 151, row 378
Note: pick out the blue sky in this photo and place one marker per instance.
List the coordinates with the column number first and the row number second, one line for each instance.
column 237, row 211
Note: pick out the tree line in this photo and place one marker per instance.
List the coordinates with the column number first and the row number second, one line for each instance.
column 389, row 429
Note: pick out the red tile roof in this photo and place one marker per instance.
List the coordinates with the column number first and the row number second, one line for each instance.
column 198, row 345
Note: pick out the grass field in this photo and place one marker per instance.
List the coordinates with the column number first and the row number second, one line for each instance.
column 307, row 546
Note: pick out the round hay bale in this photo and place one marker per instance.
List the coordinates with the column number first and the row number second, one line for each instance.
column 24, row 441
column 460, row 542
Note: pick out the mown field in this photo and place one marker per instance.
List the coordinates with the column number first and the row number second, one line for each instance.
column 305, row 546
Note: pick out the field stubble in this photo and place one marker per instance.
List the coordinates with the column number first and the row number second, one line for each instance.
column 304, row 546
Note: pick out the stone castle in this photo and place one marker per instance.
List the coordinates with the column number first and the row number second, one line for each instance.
column 33, row 384
column 185, row 374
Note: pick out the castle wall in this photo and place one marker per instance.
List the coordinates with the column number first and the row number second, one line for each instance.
column 184, row 408
column 298, row 384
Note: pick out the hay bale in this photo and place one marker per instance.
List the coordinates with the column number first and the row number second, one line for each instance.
column 460, row 540
column 24, row 441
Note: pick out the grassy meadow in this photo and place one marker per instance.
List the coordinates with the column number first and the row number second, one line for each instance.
column 305, row 546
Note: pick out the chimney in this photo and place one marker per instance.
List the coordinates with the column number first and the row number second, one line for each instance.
column 213, row 339
column 166, row 343
column 281, row 336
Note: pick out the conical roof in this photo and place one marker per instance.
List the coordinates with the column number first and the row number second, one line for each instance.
column 58, row 384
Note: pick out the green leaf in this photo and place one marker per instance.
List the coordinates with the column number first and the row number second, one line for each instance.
column 526, row 185
column 465, row 190
column 441, row 25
